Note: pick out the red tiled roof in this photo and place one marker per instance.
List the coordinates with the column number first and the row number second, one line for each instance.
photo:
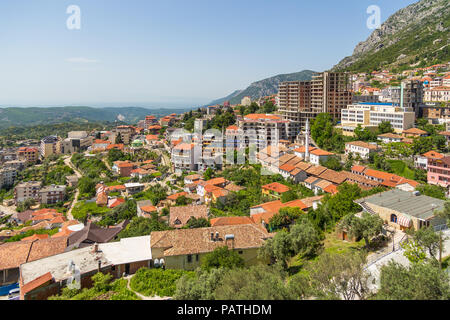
column 358, row 168
column 175, row 196
column 36, row 283
column 277, row 187
column 433, row 154
column 229, row 221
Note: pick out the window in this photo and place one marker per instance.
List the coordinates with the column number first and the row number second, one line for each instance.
column 189, row 258
column 240, row 252
column 196, row 257
column 393, row 218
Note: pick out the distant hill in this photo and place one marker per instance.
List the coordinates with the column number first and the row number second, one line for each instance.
column 35, row 116
column 264, row 87
column 417, row 35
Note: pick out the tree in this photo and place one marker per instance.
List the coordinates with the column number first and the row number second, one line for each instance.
column 303, row 239
column 140, row 226
column 419, row 281
column 255, row 283
column 200, row 287
column 339, row 276
column 278, row 249
column 422, row 145
column 332, row 163
column 445, row 213
column 288, row 196
column 428, row 239
column 119, row 139
column 431, row 190
column 367, row 226
column 284, row 217
column 197, row 223
column 222, row 257
column 342, row 203
column 414, row 252
column 385, row 127
column 209, row 173
column 182, row 201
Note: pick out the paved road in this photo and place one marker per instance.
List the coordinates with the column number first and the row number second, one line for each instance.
column 69, row 163
column 398, row 256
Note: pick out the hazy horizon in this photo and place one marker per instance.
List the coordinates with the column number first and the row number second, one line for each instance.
column 168, row 54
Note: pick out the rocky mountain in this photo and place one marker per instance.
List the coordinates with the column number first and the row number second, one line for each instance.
column 413, row 36
column 35, row 116
column 264, row 87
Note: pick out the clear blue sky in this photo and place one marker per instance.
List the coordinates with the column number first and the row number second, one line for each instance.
column 168, row 53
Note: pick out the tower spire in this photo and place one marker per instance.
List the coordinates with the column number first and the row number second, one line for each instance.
column 307, row 140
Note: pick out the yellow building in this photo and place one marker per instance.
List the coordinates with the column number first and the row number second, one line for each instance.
column 186, row 248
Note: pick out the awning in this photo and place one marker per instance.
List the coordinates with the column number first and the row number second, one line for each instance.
column 404, row 221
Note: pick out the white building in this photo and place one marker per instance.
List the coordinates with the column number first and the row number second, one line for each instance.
column 437, row 94
column 363, row 149
column 370, row 113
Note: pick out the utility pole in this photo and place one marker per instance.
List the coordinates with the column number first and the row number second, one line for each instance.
column 440, row 248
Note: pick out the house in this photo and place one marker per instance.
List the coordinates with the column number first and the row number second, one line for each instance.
column 274, row 189
column 193, row 178
column 114, row 202
column 438, row 172
column 92, row 233
column 31, row 155
column 404, row 210
column 386, row 179
column 185, row 156
column 315, row 154
column 421, row 161
column 133, row 188
column 145, row 208
column 414, row 133
column 265, row 211
column 177, row 253
column 123, row 168
column 389, row 137
column 13, row 254
column 52, row 194
column 172, row 199
column 361, row 148
column 99, row 145
column 46, row 277
column 203, row 187
column 180, row 216
column 72, row 181
column 231, row 221
column 141, row 173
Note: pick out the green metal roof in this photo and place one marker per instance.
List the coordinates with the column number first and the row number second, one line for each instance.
column 419, row 206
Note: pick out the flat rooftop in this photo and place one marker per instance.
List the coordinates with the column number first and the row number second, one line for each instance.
column 126, row 250
column 419, row 206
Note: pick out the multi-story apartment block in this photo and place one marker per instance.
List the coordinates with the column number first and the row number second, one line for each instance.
column 295, row 102
column 438, row 171
column 212, row 152
column 149, row 121
column 49, row 146
column 76, row 141
column 52, row 194
column 7, row 177
column 31, row 155
column 331, row 92
column 200, row 124
column 126, row 132
column 409, row 95
column 264, row 129
column 27, row 190
column 185, row 156
column 438, row 94
column 435, row 113
column 370, row 115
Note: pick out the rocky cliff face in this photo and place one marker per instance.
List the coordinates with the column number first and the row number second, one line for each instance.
column 429, row 15
column 265, row 87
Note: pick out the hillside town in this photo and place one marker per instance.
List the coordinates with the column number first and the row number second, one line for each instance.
column 344, row 162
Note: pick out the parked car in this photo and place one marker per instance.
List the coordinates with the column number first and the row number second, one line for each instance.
column 14, row 294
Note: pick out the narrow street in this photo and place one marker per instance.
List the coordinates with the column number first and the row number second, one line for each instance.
column 69, row 163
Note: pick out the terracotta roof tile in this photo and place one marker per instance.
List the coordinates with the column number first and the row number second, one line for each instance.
column 276, row 187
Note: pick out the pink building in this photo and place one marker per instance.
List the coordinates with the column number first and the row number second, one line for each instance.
column 438, row 171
